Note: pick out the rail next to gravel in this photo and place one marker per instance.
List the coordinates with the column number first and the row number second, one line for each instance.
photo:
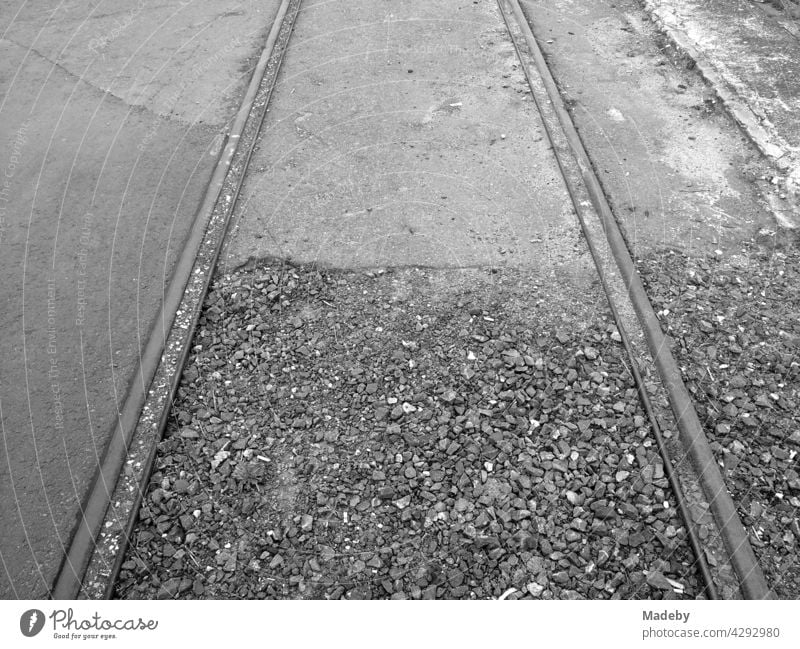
column 752, row 582
column 155, row 385
column 156, row 380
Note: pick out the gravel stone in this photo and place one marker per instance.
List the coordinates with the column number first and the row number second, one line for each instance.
column 329, row 465
column 735, row 321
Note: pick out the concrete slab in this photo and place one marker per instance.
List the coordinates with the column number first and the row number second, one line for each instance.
column 112, row 117
column 749, row 56
column 677, row 172
column 402, row 134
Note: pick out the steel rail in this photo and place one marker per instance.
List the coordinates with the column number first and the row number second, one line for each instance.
column 69, row 579
column 751, row 579
column 284, row 21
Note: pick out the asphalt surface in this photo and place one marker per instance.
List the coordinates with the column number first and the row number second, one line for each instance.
column 112, row 117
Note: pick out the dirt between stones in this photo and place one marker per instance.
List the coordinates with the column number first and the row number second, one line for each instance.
column 407, row 434
column 735, row 320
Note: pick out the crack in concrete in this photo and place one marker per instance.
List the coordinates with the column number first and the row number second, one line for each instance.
column 105, row 92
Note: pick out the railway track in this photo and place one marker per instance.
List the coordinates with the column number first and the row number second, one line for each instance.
column 689, row 466
column 606, row 242
column 110, row 510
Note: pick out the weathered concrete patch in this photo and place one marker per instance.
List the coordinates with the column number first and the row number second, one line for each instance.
column 411, row 141
column 101, row 182
column 676, row 172
column 751, row 62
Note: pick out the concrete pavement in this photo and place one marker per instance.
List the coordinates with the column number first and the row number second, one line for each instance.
column 678, row 173
column 749, row 55
column 403, row 134
column 112, row 116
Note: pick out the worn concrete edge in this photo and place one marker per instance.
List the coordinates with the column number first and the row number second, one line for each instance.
column 69, row 579
column 768, row 141
column 692, row 436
